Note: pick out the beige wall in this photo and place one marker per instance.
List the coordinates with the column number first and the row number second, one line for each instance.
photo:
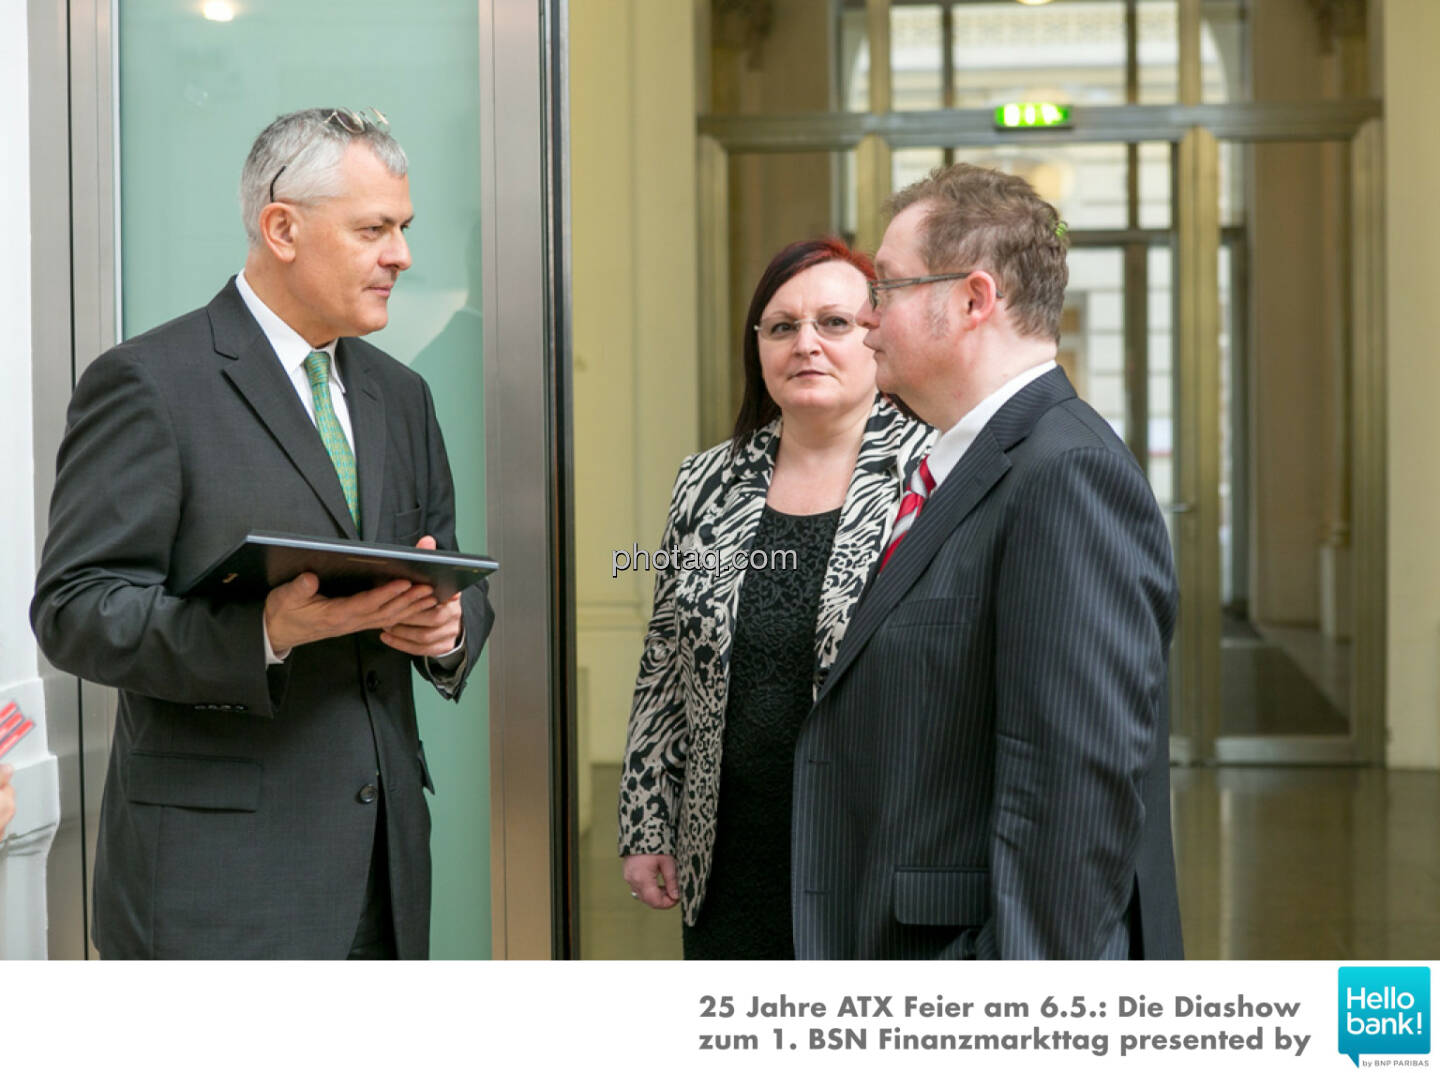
column 632, row 161
column 1412, row 315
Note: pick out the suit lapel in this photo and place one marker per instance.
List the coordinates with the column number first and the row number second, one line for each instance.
column 256, row 373
column 962, row 491
column 367, row 422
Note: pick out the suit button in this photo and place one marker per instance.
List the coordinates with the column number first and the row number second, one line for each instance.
column 372, row 681
column 368, row 793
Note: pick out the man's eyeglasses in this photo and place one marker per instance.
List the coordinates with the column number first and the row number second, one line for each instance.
column 878, row 287
column 783, row 329
column 347, row 120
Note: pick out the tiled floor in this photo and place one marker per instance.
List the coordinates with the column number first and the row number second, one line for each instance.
column 1308, row 862
column 1334, row 863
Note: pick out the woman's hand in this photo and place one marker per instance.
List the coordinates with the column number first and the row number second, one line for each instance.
column 652, row 879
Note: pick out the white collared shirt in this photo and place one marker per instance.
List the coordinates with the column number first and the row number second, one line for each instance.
column 292, row 350
column 956, row 440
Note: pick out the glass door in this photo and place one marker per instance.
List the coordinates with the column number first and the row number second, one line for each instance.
column 196, row 84
column 1288, row 581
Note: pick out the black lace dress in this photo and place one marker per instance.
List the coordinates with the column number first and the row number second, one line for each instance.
column 746, row 911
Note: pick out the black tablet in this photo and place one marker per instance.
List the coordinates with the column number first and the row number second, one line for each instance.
column 263, row 560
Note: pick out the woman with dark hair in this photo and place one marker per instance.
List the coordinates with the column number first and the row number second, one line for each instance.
column 775, row 533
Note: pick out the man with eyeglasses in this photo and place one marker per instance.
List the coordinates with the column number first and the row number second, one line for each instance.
column 264, row 794
column 985, row 773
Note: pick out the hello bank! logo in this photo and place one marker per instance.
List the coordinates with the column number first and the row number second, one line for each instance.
column 1385, row 1011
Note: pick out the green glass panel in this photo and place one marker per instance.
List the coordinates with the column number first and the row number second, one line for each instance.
column 194, row 92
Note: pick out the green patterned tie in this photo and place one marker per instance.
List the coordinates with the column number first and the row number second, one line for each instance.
column 317, row 368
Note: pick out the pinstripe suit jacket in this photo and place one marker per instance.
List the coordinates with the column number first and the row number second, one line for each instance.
column 985, row 772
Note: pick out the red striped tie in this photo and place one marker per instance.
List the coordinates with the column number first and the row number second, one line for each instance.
column 921, row 485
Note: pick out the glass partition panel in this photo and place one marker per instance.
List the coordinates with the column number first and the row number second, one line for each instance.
column 917, row 57
column 195, row 89
column 1160, row 370
column 1072, row 51
column 1154, row 184
column 911, row 165
column 1087, row 183
column 1285, row 357
column 1092, row 331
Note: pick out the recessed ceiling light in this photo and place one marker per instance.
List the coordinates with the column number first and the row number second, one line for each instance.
column 219, row 11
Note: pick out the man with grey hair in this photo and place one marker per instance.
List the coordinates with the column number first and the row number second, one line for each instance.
column 264, row 793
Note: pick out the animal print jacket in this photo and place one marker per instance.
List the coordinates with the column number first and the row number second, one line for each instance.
column 670, row 782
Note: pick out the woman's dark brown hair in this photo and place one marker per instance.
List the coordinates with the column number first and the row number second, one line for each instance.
column 757, row 408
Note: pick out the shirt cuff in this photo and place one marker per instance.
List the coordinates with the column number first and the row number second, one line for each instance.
column 448, row 670
column 272, row 658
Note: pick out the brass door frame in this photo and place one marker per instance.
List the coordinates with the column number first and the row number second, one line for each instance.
column 1196, row 654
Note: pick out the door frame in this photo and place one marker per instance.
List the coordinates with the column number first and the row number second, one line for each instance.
column 529, row 474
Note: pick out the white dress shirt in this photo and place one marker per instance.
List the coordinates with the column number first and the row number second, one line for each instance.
column 292, row 350
column 956, row 440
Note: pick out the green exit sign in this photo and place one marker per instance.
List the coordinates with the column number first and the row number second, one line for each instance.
column 1032, row 115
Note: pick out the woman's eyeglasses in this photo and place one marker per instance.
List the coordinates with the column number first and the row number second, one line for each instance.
column 345, row 119
column 783, row 329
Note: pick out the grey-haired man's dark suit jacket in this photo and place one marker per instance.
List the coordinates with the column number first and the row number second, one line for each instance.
column 235, row 821
column 985, row 772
